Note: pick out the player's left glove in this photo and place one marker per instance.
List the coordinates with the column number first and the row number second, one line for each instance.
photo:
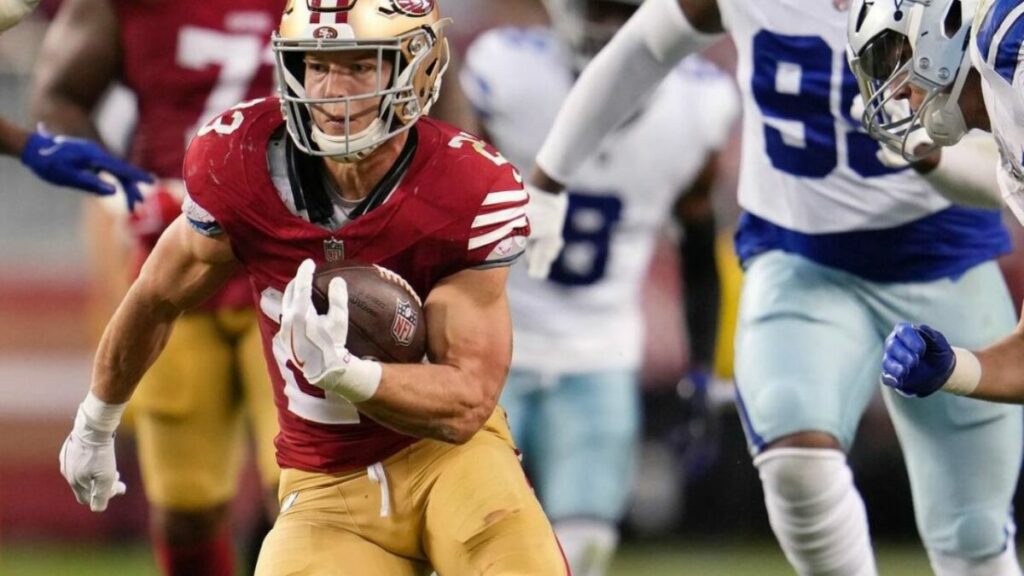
column 546, row 212
column 315, row 343
column 87, row 459
column 917, row 361
column 78, row 163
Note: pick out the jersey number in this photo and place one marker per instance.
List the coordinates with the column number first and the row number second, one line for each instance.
column 304, row 400
column 792, row 85
column 239, row 57
column 589, row 224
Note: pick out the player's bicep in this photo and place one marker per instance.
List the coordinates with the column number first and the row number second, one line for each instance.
column 469, row 325
column 186, row 267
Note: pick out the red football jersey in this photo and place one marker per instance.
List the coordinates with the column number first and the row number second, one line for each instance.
column 459, row 205
column 186, row 61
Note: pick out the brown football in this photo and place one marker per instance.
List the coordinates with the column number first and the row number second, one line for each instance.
column 385, row 317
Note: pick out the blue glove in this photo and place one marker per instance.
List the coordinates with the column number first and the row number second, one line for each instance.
column 76, row 163
column 695, row 436
column 917, row 360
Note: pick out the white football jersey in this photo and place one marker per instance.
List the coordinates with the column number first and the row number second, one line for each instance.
column 810, row 180
column 997, row 36
column 587, row 316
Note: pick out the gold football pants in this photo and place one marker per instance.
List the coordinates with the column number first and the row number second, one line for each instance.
column 462, row 510
column 194, row 409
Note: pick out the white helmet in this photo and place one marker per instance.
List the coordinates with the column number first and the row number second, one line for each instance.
column 588, row 25
column 897, row 43
column 407, row 33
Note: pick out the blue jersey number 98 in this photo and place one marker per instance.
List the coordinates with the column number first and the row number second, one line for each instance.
column 792, row 84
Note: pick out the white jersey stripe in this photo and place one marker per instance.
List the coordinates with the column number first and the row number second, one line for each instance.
column 505, row 197
column 498, row 216
column 495, row 235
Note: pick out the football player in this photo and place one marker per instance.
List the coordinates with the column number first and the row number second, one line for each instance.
column 185, row 61
column 978, row 50
column 387, row 468
column 836, row 247
column 572, row 394
column 62, row 160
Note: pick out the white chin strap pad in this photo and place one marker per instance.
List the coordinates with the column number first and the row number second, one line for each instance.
column 356, row 147
column 944, row 121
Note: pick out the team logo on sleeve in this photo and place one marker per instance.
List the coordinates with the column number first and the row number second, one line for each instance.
column 334, row 250
column 413, row 7
column 404, row 325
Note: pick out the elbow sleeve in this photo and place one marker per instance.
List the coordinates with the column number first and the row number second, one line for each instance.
column 614, row 85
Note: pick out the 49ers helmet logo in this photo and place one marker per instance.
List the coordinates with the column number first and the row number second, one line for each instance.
column 330, row 5
column 413, row 7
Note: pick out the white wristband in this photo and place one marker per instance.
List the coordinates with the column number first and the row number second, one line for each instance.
column 966, row 374
column 101, row 416
column 357, row 382
column 639, row 57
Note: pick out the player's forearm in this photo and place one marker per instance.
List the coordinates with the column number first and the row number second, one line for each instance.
column 79, row 60
column 131, row 343
column 614, row 85
column 433, row 401
column 62, row 115
column 1002, row 370
column 700, row 276
column 12, row 139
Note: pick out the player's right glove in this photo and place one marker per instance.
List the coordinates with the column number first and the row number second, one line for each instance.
column 316, row 344
column 546, row 212
column 77, row 163
column 917, row 360
column 87, row 459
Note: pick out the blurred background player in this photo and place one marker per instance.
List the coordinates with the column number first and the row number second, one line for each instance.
column 573, row 396
column 185, row 61
column 836, row 247
column 62, row 160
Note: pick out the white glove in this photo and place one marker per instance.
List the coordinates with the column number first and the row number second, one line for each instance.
column 87, row 458
column 546, row 212
column 316, row 344
column 12, row 11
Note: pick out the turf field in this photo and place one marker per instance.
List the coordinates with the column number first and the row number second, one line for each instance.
column 708, row 559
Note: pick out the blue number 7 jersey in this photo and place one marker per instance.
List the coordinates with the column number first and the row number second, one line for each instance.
column 810, row 182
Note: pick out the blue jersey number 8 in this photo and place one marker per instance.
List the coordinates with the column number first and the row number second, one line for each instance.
column 792, row 81
column 589, row 224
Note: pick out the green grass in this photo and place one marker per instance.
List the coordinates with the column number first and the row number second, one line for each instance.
column 76, row 560
column 738, row 559
column 662, row 559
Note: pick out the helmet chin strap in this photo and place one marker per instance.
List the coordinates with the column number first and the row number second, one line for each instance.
column 944, row 120
column 352, row 149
